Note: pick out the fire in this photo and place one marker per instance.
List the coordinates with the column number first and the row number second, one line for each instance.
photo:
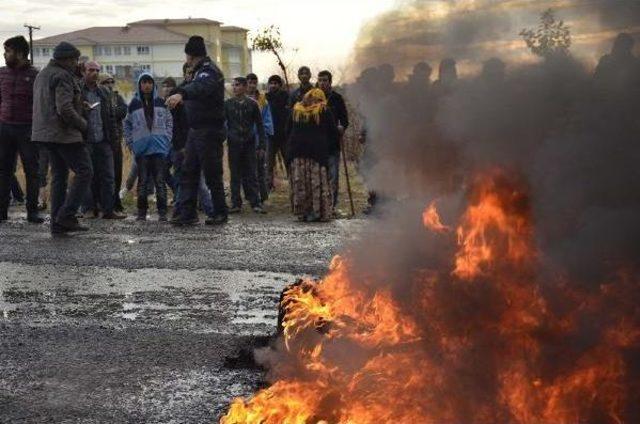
column 431, row 219
column 481, row 341
column 496, row 225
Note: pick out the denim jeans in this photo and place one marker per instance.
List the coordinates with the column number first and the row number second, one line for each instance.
column 152, row 169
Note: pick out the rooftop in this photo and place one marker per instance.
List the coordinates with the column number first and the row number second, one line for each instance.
column 117, row 35
column 174, row 22
column 234, row 28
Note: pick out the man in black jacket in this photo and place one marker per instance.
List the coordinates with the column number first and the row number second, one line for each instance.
column 339, row 109
column 203, row 99
column 278, row 98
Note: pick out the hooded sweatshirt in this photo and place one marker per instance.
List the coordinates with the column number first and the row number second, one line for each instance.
column 146, row 134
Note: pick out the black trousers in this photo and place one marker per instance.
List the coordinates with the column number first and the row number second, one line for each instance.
column 65, row 157
column 43, row 165
column 276, row 148
column 16, row 140
column 203, row 155
column 152, row 169
column 242, row 163
column 102, row 186
column 117, row 173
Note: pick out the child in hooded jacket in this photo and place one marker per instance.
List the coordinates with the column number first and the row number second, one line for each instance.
column 148, row 129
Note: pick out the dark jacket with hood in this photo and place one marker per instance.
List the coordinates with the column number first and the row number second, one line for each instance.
column 57, row 106
column 204, row 96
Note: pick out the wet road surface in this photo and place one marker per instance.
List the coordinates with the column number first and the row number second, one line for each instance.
column 140, row 322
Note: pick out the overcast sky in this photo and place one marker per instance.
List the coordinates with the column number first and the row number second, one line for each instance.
column 323, row 32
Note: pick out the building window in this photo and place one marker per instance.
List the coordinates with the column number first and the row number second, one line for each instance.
column 117, row 50
column 234, row 55
column 143, row 50
column 124, row 71
column 106, row 50
column 36, row 52
column 97, row 51
column 127, row 50
column 109, row 69
column 46, row 51
column 146, row 68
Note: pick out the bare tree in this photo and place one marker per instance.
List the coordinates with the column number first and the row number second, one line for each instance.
column 268, row 39
column 550, row 38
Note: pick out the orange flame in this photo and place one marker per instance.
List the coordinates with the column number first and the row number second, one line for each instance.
column 444, row 351
column 431, row 219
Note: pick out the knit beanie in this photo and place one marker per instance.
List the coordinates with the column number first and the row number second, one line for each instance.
column 195, row 46
column 66, row 50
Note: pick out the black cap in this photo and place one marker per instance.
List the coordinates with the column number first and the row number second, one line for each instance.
column 66, row 50
column 195, row 46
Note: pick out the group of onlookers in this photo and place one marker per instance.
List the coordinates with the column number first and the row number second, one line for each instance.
column 70, row 117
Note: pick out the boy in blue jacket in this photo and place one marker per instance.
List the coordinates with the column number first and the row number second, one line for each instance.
column 148, row 129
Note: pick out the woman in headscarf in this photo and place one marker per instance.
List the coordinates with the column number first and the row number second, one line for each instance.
column 312, row 130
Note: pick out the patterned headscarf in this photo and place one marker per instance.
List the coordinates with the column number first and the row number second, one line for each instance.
column 311, row 107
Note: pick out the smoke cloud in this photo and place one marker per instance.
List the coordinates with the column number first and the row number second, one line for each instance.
column 553, row 337
column 471, row 30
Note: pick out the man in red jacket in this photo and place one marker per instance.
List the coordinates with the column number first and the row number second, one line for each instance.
column 16, row 101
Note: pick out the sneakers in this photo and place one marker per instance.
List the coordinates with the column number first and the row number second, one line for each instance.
column 141, row 216
column 162, row 217
column 235, row 209
column 113, row 216
column 259, row 210
column 217, row 220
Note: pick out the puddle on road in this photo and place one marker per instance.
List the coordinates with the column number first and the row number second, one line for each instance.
column 201, row 300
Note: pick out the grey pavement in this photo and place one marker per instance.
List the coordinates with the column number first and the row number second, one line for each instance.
column 141, row 322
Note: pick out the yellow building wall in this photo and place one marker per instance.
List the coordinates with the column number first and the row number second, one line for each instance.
column 210, row 32
column 238, row 39
column 86, row 51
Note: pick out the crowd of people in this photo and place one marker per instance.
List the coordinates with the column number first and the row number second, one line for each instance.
column 69, row 117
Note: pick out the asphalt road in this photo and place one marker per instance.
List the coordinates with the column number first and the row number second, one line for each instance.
column 141, row 322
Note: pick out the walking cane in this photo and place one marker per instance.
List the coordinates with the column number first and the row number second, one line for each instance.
column 346, row 173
